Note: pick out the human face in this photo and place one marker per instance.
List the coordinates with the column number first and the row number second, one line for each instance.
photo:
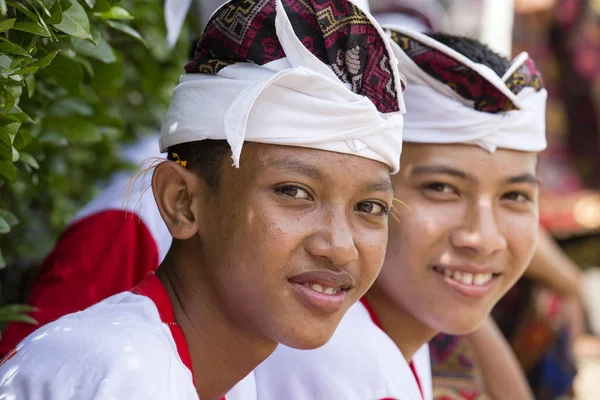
column 293, row 238
column 466, row 236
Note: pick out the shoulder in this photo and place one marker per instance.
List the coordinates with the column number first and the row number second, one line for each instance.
column 360, row 361
column 115, row 349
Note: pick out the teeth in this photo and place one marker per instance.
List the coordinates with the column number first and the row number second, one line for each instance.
column 317, row 288
column 482, row 279
column 466, row 278
column 325, row 290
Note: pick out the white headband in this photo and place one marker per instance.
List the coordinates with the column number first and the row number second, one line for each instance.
column 297, row 101
column 438, row 114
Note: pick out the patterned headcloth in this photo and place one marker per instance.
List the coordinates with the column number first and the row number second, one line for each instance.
column 451, row 99
column 312, row 73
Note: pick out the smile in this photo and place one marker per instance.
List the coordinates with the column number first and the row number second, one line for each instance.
column 467, row 284
column 467, row 278
column 324, row 291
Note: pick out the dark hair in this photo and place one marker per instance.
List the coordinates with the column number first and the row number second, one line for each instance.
column 474, row 51
column 203, row 156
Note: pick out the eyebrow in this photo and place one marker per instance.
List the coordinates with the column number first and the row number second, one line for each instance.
column 442, row 169
column 525, row 178
column 382, row 185
column 298, row 166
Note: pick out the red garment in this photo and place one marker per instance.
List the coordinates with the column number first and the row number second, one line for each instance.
column 101, row 255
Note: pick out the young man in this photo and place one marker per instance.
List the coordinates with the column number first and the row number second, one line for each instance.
column 465, row 234
column 272, row 250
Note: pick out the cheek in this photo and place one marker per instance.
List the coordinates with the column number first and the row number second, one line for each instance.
column 418, row 232
column 371, row 245
column 521, row 240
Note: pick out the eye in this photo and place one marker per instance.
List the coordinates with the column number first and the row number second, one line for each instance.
column 372, row 208
column 293, row 191
column 440, row 187
column 518, row 197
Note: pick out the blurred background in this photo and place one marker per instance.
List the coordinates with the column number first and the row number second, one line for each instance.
column 81, row 81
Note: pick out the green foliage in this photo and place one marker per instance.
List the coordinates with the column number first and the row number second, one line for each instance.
column 78, row 78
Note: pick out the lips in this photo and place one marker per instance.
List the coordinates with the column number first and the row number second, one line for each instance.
column 324, row 290
column 468, row 281
column 325, row 278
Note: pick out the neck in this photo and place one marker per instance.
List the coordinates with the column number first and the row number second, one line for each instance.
column 222, row 353
column 406, row 331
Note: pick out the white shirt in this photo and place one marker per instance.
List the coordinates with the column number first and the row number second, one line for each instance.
column 121, row 348
column 360, row 362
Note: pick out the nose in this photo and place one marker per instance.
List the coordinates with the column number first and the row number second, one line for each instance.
column 480, row 233
column 334, row 240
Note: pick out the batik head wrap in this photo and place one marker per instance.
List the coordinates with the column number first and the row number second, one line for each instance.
column 451, row 99
column 317, row 73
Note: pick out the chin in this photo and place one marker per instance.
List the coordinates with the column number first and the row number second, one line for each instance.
column 307, row 340
column 460, row 327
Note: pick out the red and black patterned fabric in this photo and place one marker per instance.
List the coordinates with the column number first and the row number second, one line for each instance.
column 465, row 81
column 337, row 32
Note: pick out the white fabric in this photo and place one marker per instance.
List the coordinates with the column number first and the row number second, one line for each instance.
column 430, row 9
column 437, row 114
column 116, row 349
column 360, row 362
column 175, row 12
column 295, row 101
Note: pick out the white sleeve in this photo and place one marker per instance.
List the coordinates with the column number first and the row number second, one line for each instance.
column 63, row 360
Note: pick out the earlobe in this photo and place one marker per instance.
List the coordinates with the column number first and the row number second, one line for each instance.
column 175, row 189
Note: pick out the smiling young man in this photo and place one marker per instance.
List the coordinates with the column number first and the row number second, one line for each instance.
column 307, row 102
column 465, row 234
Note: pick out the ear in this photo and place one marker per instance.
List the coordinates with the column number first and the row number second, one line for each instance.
column 176, row 190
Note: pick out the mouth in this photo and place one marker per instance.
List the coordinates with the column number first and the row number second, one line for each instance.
column 324, row 291
column 467, row 283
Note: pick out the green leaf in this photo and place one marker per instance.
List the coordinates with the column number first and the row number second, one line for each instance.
column 21, row 7
column 90, row 3
column 8, row 170
column 120, row 26
column 101, row 6
column 9, row 217
column 31, row 27
column 7, row 24
column 23, row 139
column 17, row 313
column 55, row 139
column 11, row 48
column 4, row 226
column 103, row 51
column 9, row 100
column 74, row 21
column 29, row 160
column 75, row 129
column 30, row 85
column 5, row 62
column 3, row 8
column 55, row 14
column 9, row 129
column 115, row 13
column 43, row 7
column 66, row 72
column 46, row 60
column 2, row 262
column 15, row 155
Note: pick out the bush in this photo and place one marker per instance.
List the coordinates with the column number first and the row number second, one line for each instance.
column 77, row 80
